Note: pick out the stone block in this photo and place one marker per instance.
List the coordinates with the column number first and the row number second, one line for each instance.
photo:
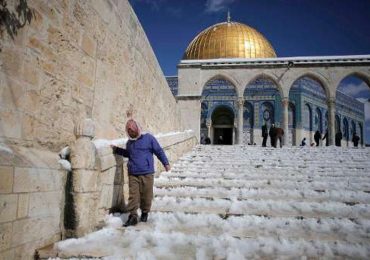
column 86, row 128
column 107, row 162
column 88, row 45
column 29, row 102
column 45, row 204
column 13, row 62
column 7, row 99
column 86, row 207
column 32, row 229
column 23, row 204
column 34, row 179
column 85, row 79
column 108, row 176
column 125, row 193
column 106, row 197
column 6, row 155
column 27, row 251
column 6, row 236
column 36, row 158
column 6, row 179
column 104, row 9
column 31, row 74
column 85, row 180
column 9, row 254
column 103, row 151
column 83, row 154
column 125, row 174
column 118, row 176
column 10, row 126
column 8, row 207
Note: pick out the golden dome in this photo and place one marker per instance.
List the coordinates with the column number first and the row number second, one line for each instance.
column 229, row 40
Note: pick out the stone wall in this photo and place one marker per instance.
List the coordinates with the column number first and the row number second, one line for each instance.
column 76, row 60
column 80, row 59
column 31, row 200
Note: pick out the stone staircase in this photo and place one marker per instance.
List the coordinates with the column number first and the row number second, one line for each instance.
column 242, row 202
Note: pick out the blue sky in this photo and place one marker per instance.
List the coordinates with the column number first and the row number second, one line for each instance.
column 293, row 27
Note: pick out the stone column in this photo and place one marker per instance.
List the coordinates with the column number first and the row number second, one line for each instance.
column 240, row 120
column 331, row 121
column 84, row 181
column 285, row 103
column 209, row 124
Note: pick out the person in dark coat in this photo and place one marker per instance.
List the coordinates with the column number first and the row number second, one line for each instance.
column 326, row 138
column 338, row 138
column 303, row 143
column 272, row 134
column 139, row 150
column 265, row 134
column 220, row 140
column 279, row 136
column 207, row 140
column 355, row 139
column 317, row 137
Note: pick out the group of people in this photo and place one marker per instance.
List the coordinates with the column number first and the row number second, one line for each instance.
column 339, row 136
column 338, row 139
column 275, row 133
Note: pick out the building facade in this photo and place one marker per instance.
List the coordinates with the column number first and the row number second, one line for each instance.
column 230, row 83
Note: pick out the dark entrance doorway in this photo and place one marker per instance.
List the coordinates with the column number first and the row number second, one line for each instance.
column 223, row 125
column 225, row 133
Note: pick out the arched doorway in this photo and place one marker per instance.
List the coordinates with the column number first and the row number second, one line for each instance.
column 353, row 103
column 223, row 125
column 217, row 92
column 264, row 97
column 310, row 99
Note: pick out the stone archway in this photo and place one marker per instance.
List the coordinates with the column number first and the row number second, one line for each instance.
column 309, row 95
column 223, row 125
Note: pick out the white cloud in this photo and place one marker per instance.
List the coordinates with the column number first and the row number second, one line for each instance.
column 213, row 6
column 354, row 90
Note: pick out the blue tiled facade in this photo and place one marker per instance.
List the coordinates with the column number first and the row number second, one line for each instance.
column 307, row 105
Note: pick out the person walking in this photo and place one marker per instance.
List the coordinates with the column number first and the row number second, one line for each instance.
column 326, row 138
column 140, row 149
column 355, row 139
column 279, row 136
column 265, row 135
column 220, row 140
column 272, row 134
column 317, row 137
column 338, row 138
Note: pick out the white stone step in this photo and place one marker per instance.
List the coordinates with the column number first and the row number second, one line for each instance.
column 303, row 194
column 253, row 184
column 278, row 208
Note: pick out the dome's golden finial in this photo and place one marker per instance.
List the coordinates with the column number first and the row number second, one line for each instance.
column 228, row 16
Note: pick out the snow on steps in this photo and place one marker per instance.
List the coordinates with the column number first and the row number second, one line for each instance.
column 239, row 202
